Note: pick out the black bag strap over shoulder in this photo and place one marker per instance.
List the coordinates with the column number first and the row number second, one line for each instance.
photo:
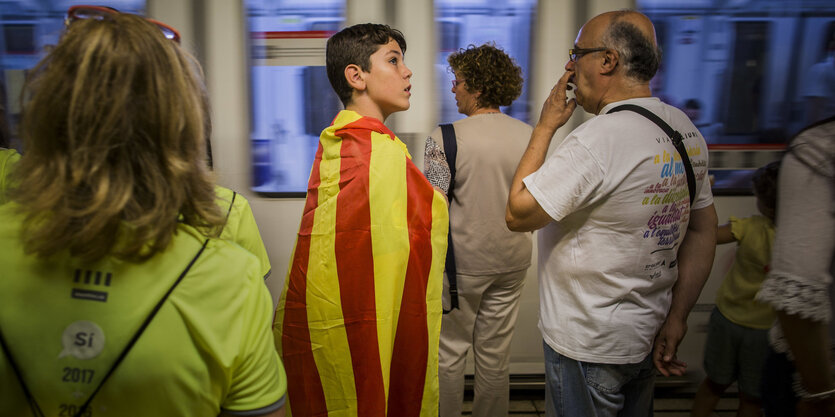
column 451, row 152
column 675, row 136
column 229, row 210
column 231, row 205
column 33, row 404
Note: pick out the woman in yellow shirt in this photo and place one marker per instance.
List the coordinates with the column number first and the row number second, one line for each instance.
column 139, row 309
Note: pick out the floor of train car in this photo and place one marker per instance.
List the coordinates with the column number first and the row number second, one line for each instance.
column 669, row 402
column 531, row 403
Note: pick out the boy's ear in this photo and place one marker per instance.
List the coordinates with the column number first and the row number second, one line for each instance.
column 354, row 75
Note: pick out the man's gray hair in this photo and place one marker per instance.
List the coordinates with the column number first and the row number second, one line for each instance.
column 637, row 52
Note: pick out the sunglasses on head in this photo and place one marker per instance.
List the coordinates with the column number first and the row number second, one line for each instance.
column 101, row 12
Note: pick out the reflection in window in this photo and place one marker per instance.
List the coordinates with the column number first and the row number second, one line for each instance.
column 292, row 100
column 507, row 23
column 28, row 28
column 748, row 73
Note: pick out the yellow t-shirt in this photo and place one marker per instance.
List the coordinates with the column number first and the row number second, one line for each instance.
column 735, row 298
column 208, row 349
column 8, row 157
column 240, row 226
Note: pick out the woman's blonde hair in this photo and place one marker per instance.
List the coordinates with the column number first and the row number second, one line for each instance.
column 114, row 138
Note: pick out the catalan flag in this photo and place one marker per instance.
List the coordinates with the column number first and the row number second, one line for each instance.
column 358, row 322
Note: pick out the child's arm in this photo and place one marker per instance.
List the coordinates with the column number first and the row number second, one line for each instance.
column 724, row 235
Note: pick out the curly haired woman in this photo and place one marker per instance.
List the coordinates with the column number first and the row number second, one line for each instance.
column 491, row 261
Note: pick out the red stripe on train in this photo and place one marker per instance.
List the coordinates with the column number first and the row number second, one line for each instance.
column 302, row 34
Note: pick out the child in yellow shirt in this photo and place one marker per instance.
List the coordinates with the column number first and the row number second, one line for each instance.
column 737, row 339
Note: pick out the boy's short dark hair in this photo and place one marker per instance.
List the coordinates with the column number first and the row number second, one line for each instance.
column 355, row 45
column 765, row 184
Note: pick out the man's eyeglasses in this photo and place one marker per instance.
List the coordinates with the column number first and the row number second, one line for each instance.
column 100, row 12
column 575, row 53
column 456, row 82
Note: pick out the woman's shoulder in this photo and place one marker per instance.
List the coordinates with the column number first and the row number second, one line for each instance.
column 220, row 268
column 8, row 157
column 217, row 250
column 493, row 122
column 815, row 146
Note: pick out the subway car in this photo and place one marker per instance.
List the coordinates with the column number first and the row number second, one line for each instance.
column 742, row 65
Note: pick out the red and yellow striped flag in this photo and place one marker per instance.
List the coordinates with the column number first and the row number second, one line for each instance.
column 358, row 322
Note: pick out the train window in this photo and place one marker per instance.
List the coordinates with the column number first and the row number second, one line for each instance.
column 19, row 38
column 750, row 74
column 291, row 97
column 28, row 28
column 461, row 23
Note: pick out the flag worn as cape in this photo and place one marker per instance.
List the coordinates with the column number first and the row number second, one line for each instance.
column 358, row 322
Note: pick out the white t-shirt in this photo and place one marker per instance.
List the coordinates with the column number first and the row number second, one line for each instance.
column 617, row 191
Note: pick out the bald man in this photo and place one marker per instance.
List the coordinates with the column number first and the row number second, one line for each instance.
column 623, row 251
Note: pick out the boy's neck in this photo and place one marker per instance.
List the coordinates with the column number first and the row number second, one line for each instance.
column 366, row 108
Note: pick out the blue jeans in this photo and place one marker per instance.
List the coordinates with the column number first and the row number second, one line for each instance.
column 585, row 389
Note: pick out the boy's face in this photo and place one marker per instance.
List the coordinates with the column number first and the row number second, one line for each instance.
column 387, row 81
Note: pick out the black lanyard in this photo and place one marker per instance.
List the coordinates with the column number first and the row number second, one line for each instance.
column 229, row 211
column 451, row 153
column 33, row 404
column 675, row 136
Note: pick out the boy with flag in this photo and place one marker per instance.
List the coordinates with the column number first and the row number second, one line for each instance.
column 359, row 319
